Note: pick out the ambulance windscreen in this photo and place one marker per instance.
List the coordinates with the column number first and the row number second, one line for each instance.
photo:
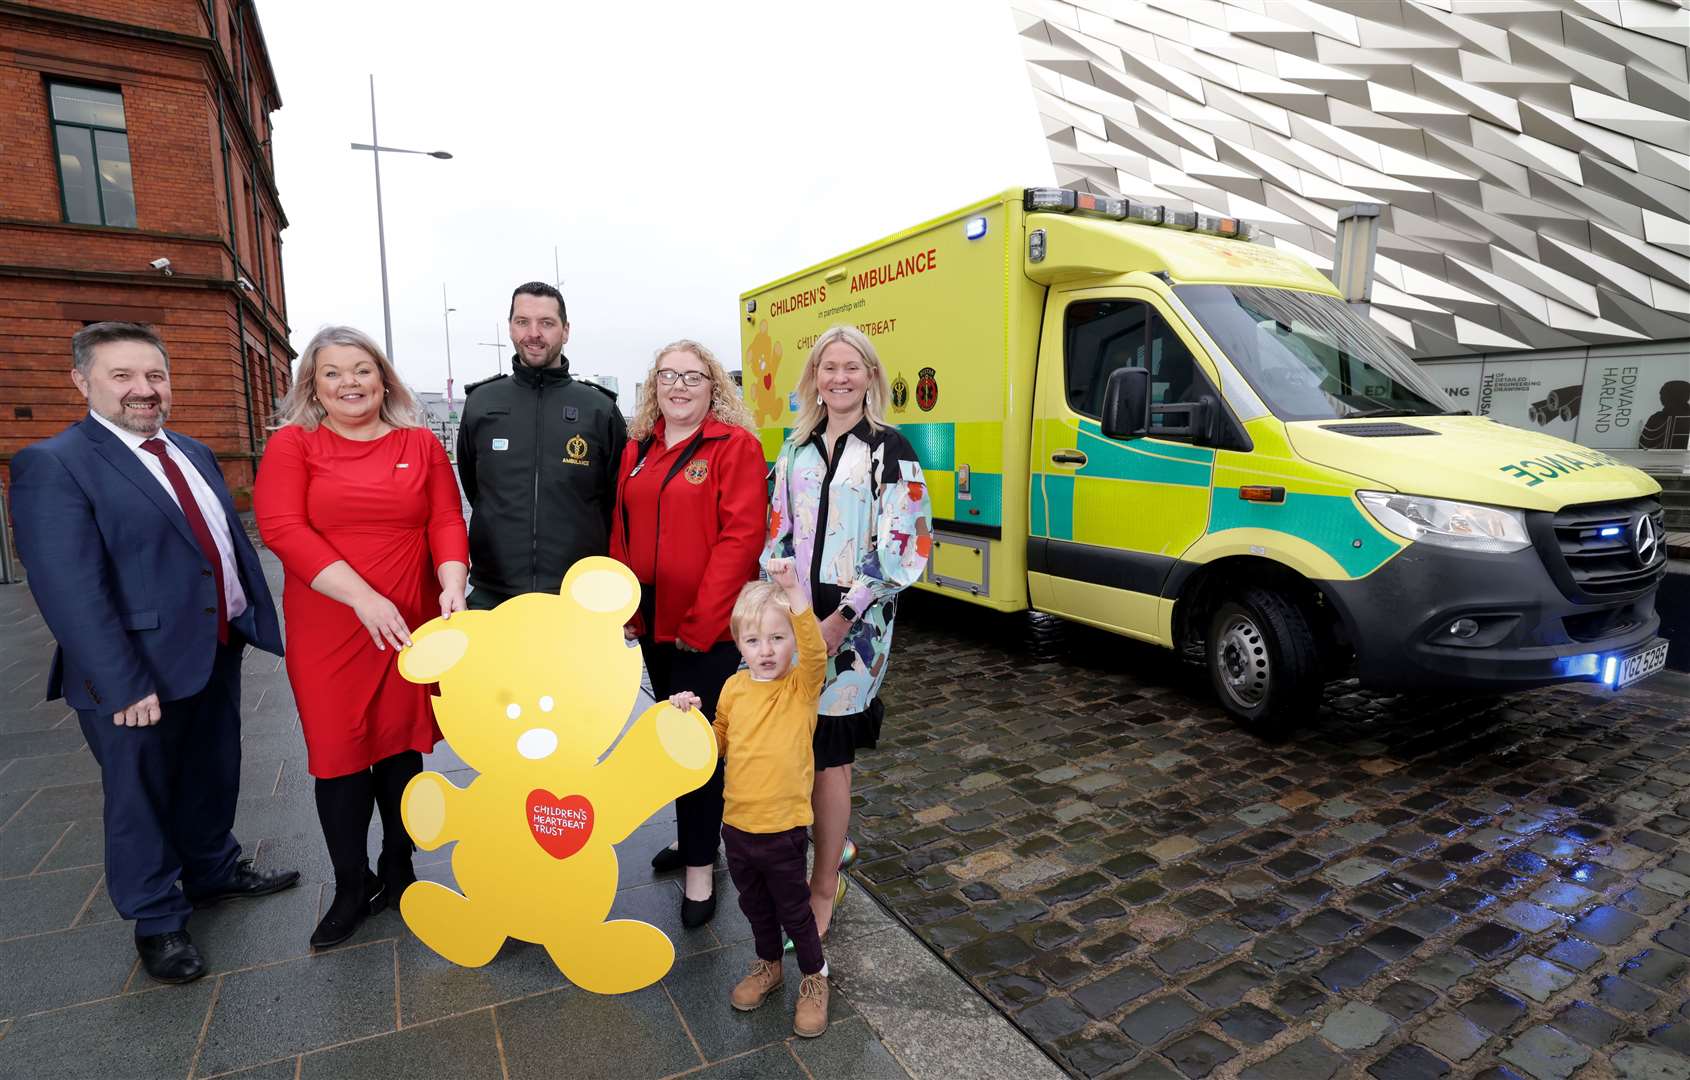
column 1311, row 356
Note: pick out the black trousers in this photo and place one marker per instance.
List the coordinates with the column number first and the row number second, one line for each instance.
column 343, row 807
column 774, row 892
column 170, row 791
column 698, row 813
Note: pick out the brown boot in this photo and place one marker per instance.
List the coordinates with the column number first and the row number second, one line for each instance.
column 764, row 979
column 810, row 1019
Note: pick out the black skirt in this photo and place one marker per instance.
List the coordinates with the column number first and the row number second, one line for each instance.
column 838, row 738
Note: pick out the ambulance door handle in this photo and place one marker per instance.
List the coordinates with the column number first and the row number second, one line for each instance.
column 1068, row 457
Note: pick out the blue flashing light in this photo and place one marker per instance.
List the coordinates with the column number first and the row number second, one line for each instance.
column 1582, row 664
column 1610, row 670
column 1611, row 530
column 975, row 229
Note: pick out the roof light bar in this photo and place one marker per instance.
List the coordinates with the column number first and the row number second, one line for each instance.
column 1068, row 201
column 1050, row 199
column 1147, row 213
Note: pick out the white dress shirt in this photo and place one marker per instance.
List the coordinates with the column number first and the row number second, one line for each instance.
column 210, row 508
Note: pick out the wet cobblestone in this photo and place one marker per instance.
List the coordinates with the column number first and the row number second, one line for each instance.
column 1494, row 887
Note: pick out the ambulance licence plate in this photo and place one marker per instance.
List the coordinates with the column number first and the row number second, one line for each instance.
column 1642, row 664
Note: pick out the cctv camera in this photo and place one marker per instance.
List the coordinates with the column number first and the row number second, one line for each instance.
column 160, row 264
column 240, row 279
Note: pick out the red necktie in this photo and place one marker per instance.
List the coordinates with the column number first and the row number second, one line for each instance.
column 196, row 522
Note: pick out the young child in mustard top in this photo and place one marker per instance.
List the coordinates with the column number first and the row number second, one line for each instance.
column 765, row 720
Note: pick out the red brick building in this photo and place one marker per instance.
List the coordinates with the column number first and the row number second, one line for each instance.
column 133, row 131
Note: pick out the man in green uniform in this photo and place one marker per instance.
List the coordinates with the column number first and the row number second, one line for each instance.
column 537, row 454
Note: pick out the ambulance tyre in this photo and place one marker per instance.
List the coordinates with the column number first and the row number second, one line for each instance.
column 1045, row 636
column 1264, row 661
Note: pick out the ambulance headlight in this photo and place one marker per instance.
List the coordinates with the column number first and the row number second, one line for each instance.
column 1446, row 523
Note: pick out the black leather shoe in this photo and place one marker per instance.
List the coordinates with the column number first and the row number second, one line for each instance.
column 170, row 957
column 667, row 861
column 348, row 910
column 695, row 913
column 246, row 883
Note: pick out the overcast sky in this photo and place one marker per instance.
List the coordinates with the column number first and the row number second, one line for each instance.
column 676, row 154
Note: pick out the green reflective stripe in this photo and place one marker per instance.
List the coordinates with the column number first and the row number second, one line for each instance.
column 1330, row 522
column 1036, row 508
column 985, row 504
column 1108, row 459
column 1162, row 449
column 935, row 444
column 1059, row 504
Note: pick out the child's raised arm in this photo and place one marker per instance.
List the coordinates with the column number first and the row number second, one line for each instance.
column 784, row 572
column 812, row 652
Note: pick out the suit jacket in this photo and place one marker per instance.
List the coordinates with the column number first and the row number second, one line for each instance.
column 118, row 575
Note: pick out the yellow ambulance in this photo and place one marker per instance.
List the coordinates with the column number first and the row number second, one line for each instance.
column 1133, row 417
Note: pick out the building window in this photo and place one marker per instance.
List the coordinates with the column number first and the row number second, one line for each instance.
column 93, row 145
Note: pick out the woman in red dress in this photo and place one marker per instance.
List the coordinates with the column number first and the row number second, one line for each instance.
column 691, row 501
column 359, row 502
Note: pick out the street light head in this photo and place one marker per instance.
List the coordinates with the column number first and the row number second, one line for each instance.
column 441, row 154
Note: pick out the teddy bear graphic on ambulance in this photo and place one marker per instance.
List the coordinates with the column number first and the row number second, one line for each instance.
column 533, row 696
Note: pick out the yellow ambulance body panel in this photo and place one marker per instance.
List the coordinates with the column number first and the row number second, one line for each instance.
column 1427, row 547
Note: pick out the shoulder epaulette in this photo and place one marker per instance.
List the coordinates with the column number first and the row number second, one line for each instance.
column 471, row 388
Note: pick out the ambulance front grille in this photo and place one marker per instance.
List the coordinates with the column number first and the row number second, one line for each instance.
column 1597, row 546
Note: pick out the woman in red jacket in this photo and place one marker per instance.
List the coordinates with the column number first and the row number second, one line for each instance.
column 691, row 500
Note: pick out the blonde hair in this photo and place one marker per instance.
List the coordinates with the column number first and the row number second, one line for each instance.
column 812, row 414
column 726, row 404
column 399, row 407
column 754, row 600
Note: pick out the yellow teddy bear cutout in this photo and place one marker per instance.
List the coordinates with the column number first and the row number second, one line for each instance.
column 531, row 696
column 762, row 362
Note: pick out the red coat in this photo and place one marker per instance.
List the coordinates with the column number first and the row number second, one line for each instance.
column 690, row 523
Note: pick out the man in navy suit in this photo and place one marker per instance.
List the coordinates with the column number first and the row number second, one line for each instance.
column 140, row 566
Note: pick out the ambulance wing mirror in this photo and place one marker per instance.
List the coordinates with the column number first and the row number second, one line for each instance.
column 1126, row 403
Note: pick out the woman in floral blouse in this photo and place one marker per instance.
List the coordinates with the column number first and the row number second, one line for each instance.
column 851, row 506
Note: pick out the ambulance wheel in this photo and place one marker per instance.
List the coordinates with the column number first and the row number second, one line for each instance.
column 1045, row 636
column 1264, row 661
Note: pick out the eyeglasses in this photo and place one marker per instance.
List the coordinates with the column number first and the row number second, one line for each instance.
column 667, row 377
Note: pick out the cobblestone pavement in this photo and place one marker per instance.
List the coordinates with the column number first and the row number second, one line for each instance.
column 1405, row 888
column 74, row 1004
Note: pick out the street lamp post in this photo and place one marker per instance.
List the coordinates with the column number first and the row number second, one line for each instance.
column 446, row 316
column 498, row 350
column 376, row 151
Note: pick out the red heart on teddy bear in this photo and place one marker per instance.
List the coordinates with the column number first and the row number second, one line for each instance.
column 561, row 826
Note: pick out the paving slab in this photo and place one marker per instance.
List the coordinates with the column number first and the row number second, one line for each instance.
column 462, row 1047
column 933, row 1026
column 638, row 1034
column 296, row 1006
column 152, row 1034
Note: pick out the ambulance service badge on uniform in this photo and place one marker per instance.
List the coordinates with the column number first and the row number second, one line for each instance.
column 576, row 448
column 900, row 394
column 697, row 471
column 927, row 389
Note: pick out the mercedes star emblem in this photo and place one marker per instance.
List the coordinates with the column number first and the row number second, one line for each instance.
column 1644, row 540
